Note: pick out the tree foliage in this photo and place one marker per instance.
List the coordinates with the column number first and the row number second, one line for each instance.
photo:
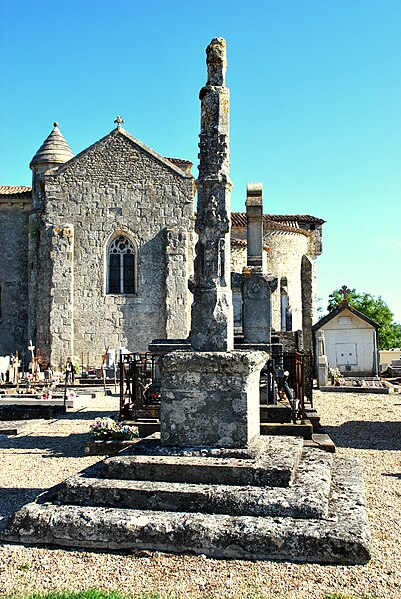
column 374, row 308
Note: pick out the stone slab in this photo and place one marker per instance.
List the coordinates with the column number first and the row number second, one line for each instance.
column 339, row 389
column 269, row 461
column 306, row 498
column 341, row 537
column 15, row 427
column 10, row 400
column 321, row 441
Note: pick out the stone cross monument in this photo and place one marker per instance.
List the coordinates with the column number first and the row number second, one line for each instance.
column 210, row 395
column 212, row 313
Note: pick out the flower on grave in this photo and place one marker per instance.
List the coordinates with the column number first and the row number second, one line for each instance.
column 102, row 426
column 335, row 373
column 155, row 395
column 107, row 427
column 125, row 429
column 336, row 376
column 47, row 394
column 71, row 395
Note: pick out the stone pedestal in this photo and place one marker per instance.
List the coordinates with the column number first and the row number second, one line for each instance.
column 210, row 398
column 322, row 372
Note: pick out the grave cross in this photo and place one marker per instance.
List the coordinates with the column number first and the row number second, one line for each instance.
column 344, row 291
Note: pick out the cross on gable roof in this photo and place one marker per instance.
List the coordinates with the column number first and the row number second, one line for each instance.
column 337, row 311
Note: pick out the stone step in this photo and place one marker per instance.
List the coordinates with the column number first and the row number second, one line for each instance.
column 306, row 498
column 296, row 430
column 275, row 413
column 314, row 419
column 341, row 537
column 271, row 462
column 321, row 441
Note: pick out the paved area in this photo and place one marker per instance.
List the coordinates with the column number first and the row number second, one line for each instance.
column 364, row 426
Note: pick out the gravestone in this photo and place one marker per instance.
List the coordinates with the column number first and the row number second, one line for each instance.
column 256, row 286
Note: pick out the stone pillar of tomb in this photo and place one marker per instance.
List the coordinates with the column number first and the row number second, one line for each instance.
column 210, row 394
column 322, row 363
column 256, row 286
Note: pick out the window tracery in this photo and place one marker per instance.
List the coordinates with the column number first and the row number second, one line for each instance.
column 121, row 267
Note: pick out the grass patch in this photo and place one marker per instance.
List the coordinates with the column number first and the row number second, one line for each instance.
column 342, row 596
column 89, row 594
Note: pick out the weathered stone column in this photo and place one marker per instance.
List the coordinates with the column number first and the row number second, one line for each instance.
column 256, row 287
column 210, row 396
column 212, row 313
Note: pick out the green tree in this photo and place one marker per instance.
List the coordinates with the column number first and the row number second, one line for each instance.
column 374, row 308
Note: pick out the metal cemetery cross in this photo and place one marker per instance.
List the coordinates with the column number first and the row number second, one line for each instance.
column 344, row 291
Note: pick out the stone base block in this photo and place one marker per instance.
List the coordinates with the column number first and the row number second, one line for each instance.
column 307, row 497
column 210, row 398
column 266, row 462
column 31, row 409
column 342, row 536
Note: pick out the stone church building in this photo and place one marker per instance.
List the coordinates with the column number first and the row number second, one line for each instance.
column 99, row 251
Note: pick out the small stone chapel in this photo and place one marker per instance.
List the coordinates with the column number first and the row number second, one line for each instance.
column 102, row 249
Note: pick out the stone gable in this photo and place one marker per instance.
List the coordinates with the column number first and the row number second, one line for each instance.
column 115, row 187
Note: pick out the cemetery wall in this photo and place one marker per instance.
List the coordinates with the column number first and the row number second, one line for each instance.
column 13, row 276
column 116, row 187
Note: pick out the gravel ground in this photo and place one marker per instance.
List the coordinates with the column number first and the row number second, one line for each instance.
column 362, row 425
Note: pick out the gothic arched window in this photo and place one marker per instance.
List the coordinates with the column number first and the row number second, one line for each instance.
column 121, row 266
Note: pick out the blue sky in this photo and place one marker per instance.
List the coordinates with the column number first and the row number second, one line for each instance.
column 315, row 105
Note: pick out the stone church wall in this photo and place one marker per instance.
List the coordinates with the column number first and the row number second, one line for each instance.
column 116, row 187
column 284, row 260
column 13, row 276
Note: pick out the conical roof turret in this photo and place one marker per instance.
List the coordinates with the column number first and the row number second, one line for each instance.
column 54, row 150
